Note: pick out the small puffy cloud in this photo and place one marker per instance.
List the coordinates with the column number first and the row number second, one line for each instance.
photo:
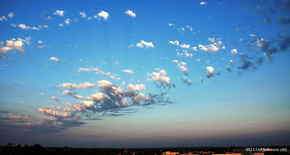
column 214, row 47
column 209, row 72
column 11, row 15
column 175, row 61
column 103, row 14
column 202, row 3
column 137, row 87
column 40, row 42
column 54, row 59
column 183, row 68
column 83, row 14
column 88, row 104
column 185, row 46
column 130, row 13
column 229, row 69
column 234, row 51
column 97, row 97
column 170, row 24
column 67, row 21
column 59, row 12
column 54, row 98
column 146, row 44
column 161, row 77
column 104, row 84
column 12, row 44
column 23, row 26
column 61, row 24
column 128, row 71
column 3, row 18
column 176, row 42
column 231, row 61
column 77, row 86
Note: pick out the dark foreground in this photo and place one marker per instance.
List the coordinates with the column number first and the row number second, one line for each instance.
column 10, row 149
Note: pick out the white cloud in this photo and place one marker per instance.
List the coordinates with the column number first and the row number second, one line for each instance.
column 234, row 51
column 40, row 42
column 252, row 35
column 83, row 14
column 137, row 87
column 59, row 12
column 210, row 71
column 128, row 71
column 160, row 76
column 147, row 44
column 104, row 84
column 103, row 14
column 67, row 21
column 13, row 25
column 12, row 44
column 170, row 24
column 100, row 72
column 130, row 13
column 231, row 61
column 77, row 86
column 3, row 18
column 185, row 46
column 11, row 15
column 202, row 3
column 61, row 24
column 214, row 47
column 54, row 59
column 183, row 68
column 175, row 61
column 176, row 42
column 23, row 26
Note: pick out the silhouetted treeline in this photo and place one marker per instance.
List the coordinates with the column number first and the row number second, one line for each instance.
column 10, row 149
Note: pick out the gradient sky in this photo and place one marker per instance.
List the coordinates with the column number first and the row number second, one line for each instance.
column 145, row 73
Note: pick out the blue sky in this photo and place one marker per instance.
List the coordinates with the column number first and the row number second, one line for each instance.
column 144, row 73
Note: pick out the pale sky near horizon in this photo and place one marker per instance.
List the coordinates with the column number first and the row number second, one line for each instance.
column 145, row 73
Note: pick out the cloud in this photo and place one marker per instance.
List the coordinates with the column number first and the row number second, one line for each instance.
column 186, row 81
column 209, row 72
column 58, row 108
column 284, row 20
column 59, row 12
column 146, row 44
column 3, row 18
column 88, row 104
column 67, row 21
column 181, row 66
column 128, row 71
column 12, row 44
column 53, row 113
column 54, row 98
column 202, row 3
column 11, row 15
column 100, row 72
column 170, row 24
column 83, row 14
column 61, row 24
column 160, row 77
column 66, row 92
column 40, row 42
column 137, row 87
column 229, row 69
column 25, row 27
column 234, row 51
column 54, row 59
column 246, row 64
column 176, row 42
column 103, row 14
column 214, row 47
column 185, row 46
column 77, row 86
column 130, row 13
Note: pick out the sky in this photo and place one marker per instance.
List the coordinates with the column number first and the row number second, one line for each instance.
column 145, row 73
